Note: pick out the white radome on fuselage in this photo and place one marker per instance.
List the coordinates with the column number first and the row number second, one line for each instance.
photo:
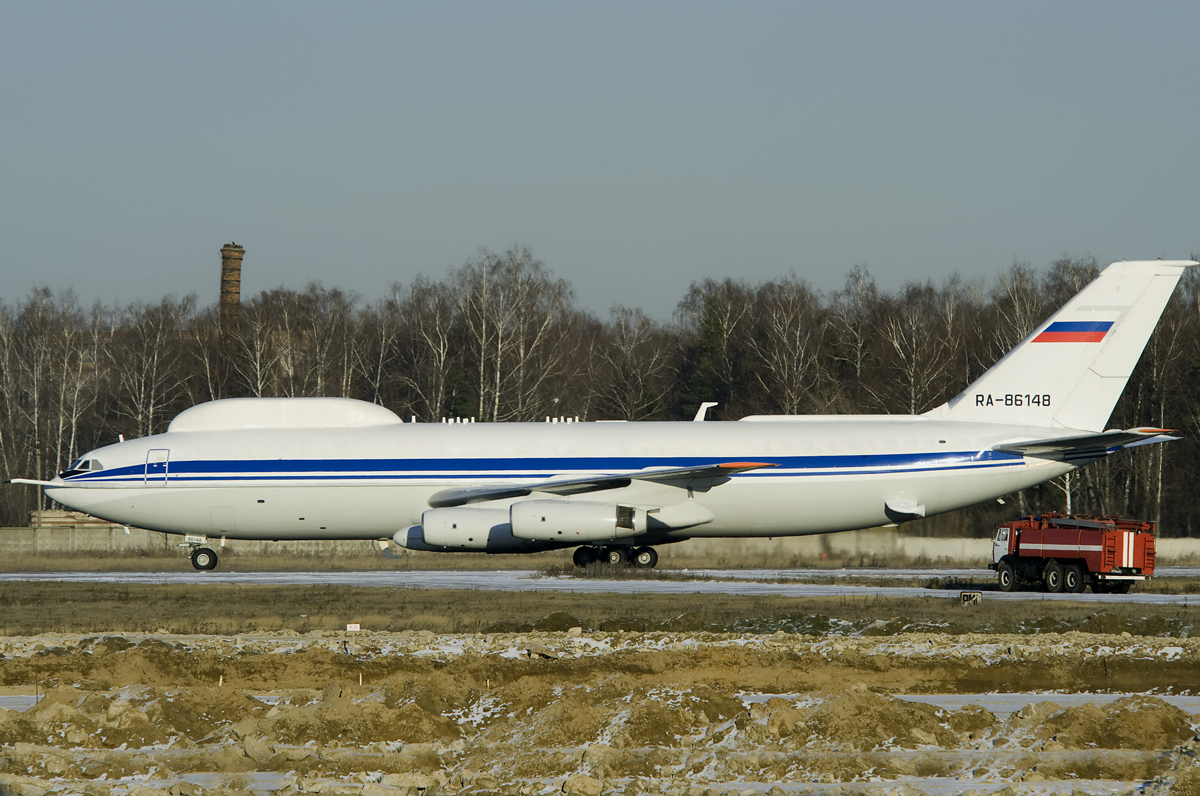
column 335, row 468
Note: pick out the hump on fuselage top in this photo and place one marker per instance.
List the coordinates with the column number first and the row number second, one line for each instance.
column 267, row 413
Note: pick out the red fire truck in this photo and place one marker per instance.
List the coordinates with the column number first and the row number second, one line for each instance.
column 1068, row 553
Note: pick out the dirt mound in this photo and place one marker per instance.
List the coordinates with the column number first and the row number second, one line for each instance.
column 499, row 713
column 557, row 622
column 1133, row 722
column 350, row 715
column 1187, row 781
column 863, row 720
column 134, row 716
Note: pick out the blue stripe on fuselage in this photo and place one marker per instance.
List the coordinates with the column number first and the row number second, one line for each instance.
column 308, row 470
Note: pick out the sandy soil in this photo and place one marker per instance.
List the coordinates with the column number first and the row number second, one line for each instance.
column 591, row 713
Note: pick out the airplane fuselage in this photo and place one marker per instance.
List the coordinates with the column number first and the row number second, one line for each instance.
column 829, row 473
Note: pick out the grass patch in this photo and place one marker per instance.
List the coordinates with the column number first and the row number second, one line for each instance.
column 38, row 608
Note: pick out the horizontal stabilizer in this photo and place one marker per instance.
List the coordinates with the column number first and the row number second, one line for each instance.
column 1086, row 445
column 595, row 483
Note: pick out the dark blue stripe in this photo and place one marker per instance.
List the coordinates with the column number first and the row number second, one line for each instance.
column 1079, row 326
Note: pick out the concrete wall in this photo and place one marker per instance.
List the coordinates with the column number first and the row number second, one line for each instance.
column 873, row 547
column 856, row 547
column 118, row 539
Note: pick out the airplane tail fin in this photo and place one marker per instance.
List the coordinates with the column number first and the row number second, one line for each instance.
column 1070, row 372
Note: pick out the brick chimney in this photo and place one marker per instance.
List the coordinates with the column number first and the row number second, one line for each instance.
column 231, row 284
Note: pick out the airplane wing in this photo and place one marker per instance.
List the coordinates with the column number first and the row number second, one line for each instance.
column 1087, row 445
column 595, row 483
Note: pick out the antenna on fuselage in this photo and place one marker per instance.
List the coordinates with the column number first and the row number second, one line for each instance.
column 703, row 410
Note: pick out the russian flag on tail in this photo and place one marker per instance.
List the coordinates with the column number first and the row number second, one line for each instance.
column 1074, row 332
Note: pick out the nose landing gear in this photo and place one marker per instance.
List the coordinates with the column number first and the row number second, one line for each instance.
column 617, row 555
column 204, row 559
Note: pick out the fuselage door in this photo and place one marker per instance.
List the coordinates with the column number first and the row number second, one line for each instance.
column 156, row 467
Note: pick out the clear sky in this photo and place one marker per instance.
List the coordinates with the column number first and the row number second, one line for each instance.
column 635, row 147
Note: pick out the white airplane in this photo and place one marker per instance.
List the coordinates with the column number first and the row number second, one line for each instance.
column 336, row 468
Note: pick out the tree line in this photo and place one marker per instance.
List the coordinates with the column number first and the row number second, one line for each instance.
column 500, row 339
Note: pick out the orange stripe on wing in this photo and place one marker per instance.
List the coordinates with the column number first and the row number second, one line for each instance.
column 745, row 465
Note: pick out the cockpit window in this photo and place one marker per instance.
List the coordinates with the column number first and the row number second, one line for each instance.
column 82, row 466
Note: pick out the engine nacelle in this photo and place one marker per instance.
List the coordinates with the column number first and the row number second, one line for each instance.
column 574, row 521
column 461, row 528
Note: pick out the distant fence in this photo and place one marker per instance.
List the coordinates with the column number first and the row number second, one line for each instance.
column 872, row 547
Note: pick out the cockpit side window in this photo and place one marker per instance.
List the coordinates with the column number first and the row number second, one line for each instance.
column 82, row 466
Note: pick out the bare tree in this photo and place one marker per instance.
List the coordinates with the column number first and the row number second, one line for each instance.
column 854, row 319
column 634, row 366
column 919, row 331
column 513, row 314
column 789, row 331
column 254, row 350
column 144, row 363
column 429, row 334
column 712, row 317
column 312, row 335
column 1019, row 305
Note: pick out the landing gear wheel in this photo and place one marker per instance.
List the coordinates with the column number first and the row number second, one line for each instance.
column 1053, row 577
column 1073, row 581
column 584, row 556
column 645, row 557
column 1006, row 577
column 615, row 555
column 203, row 558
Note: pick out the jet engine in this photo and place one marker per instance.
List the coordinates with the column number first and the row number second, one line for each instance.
column 462, row 528
column 575, row 521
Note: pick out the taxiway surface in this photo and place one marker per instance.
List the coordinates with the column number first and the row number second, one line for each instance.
column 787, row 583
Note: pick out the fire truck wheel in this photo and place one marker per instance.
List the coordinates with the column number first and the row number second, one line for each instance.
column 1073, row 581
column 1006, row 577
column 1120, row 587
column 1053, row 577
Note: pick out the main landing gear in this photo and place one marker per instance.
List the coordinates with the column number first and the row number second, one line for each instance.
column 618, row 555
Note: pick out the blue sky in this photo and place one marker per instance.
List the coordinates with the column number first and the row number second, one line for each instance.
column 635, row 147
